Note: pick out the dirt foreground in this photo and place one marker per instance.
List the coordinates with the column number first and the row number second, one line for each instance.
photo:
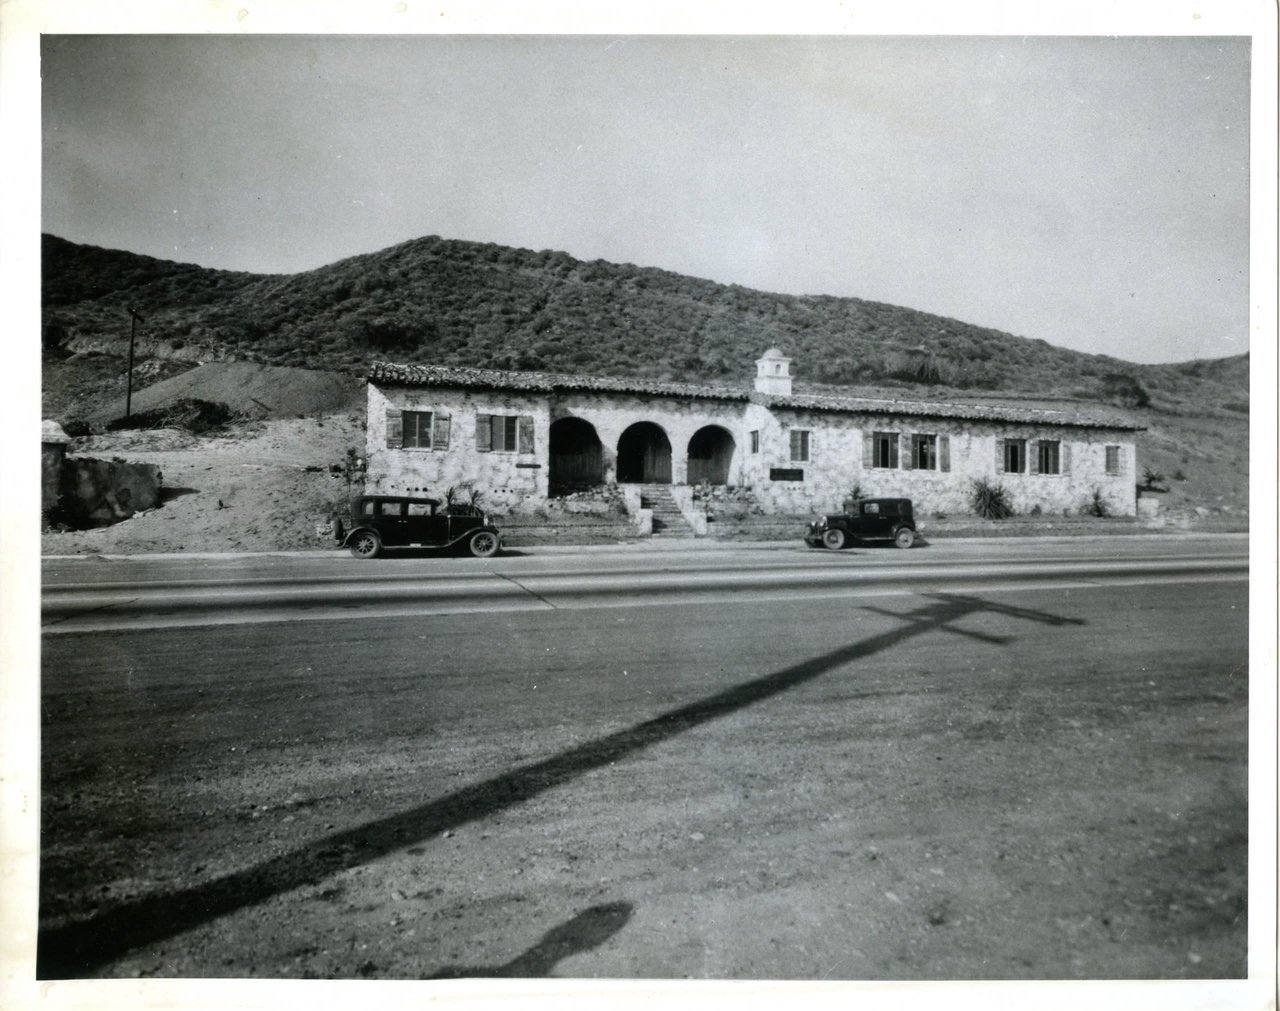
column 1039, row 785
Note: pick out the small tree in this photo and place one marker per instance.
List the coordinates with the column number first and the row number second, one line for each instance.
column 350, row 468
column 1152, row 478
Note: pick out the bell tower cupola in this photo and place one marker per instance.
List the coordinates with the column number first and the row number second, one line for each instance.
column 773, row 373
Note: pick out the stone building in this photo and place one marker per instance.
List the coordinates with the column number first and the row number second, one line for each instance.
column 522, row 437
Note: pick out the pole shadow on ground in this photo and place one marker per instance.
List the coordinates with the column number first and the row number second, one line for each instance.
column 79, row 948
column 588, row 930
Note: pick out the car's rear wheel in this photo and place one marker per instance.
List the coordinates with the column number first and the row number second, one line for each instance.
column 835, row 539
column 905, row 537
column 483, row 543
column 365, row 544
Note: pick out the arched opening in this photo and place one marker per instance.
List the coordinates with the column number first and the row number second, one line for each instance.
column 644, row 455
column 577, row 458
column 710, row 453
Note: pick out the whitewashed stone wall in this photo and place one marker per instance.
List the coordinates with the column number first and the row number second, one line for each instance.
column 834, row 467
column 507, row 479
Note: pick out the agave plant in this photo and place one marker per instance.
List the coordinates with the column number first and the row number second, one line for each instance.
column 1097, row 505
column 990, row 501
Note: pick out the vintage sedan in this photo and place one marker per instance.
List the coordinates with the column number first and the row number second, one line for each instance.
column 379, row 522
column 868, row 519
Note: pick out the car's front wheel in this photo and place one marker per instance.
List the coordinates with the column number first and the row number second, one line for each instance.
column 835, row 539
column 483, row 544
column 905, row 537
column 365, row 544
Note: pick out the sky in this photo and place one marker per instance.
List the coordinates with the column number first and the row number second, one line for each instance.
column 1092, row 192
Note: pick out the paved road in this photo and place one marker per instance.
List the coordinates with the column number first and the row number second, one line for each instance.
column 92, row 595
column 1032, row 771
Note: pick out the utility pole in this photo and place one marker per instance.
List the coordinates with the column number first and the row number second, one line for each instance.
column 133, row 334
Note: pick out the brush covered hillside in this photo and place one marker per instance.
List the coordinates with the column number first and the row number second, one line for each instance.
column 449, row 302
column 285, row 355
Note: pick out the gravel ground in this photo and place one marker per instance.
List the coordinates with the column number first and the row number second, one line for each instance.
column 1039, row 785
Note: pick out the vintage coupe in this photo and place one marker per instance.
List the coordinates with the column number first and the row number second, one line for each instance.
column 376, row 522
column 868, row 519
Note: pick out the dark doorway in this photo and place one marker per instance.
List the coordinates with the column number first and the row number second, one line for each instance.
column 710, row 453
column 644, row 455
column 577, row 458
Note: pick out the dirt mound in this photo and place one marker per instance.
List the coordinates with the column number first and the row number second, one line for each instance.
column 251, row 390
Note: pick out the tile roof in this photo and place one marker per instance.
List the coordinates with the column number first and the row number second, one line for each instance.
column 542, row 382
column 387, row 373
column 1068, row 415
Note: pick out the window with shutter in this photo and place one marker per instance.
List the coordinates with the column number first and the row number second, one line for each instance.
column 417, row 429
column 504, row 433
column 944, row 452
column 799, row 446
column 440, row 433
column 1049, row 457
column 884, row 451
column 924, row 452
column 1033, row 457
column 395, row 430
column 1113, row 460
column 1015, row 456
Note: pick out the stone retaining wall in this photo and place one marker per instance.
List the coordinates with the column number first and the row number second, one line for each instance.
column 96, row 492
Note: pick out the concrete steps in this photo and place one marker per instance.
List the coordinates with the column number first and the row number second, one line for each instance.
column 668, row 521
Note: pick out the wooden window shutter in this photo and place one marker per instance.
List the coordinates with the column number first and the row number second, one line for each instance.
column 440, row 431
column 944, row 452
column 484, row 433
column 525, row 434
column 1033, row 456
column 1064, row 461
column 395, row 429
column 999, row 456
column 905, row 455
column 868, row 450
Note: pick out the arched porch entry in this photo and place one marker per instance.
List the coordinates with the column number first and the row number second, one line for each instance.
column 710, row 453
column 577, row 457
column 644, row 455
